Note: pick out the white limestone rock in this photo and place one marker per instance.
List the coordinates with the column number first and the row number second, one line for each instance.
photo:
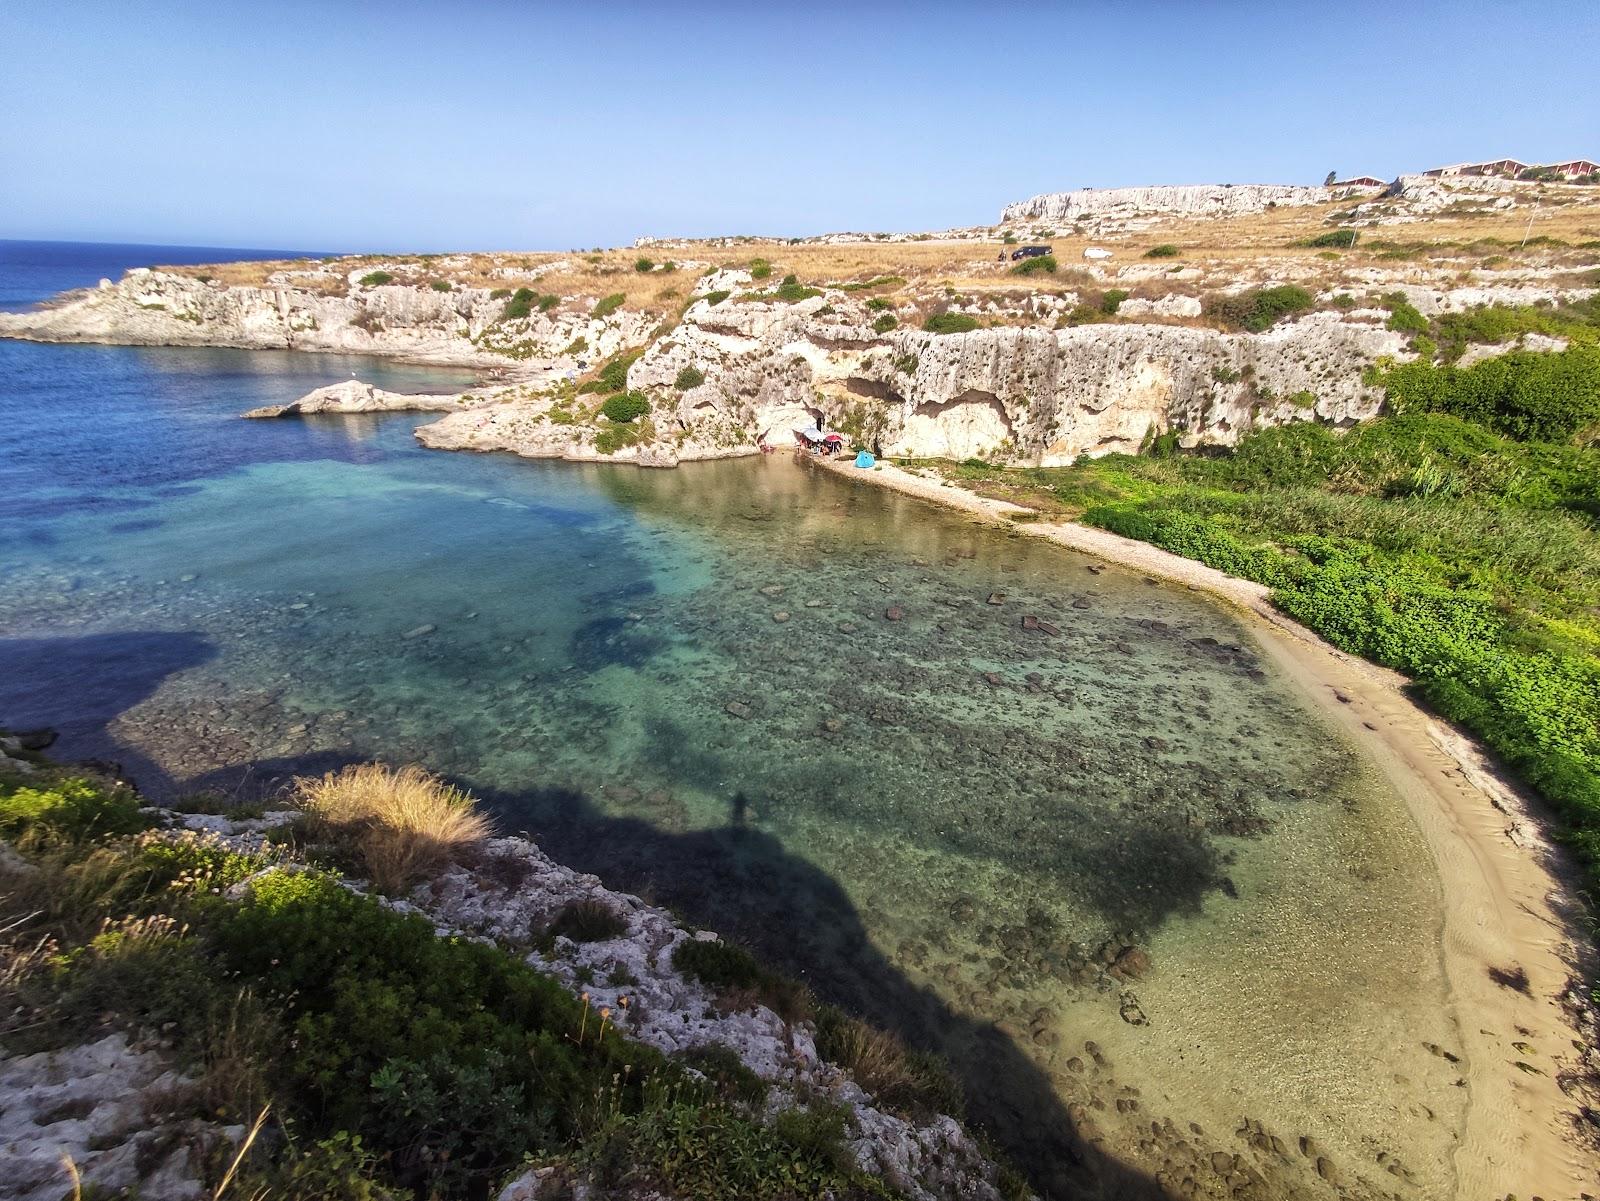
column 1200, row 200
column 353, row 396
column 109, row 1107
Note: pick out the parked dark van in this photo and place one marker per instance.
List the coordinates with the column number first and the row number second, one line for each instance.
column 1030, row 252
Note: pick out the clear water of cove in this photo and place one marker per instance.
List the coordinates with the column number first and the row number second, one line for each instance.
column 945, row 822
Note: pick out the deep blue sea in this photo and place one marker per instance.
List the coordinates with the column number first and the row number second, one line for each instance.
column 686, row 681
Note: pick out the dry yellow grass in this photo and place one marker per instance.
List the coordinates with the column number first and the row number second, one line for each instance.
column 1217, row 252
column 403, row 823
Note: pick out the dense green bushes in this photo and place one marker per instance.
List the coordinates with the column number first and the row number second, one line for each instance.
column 1258, row 309
column 689, row 377
column 1524, row 395
column 607, row 305
column 791, row 290
column 1166, row 250
column 885, row 323
column 374, row 279
column 1403, row 315
column 950, row 323
column 625, row 407
column 66, row 810
column 1337, row 239
column 1044, row 264
column 613, row 376
column 520, row 305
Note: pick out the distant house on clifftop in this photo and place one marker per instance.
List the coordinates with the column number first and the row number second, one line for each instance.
column 1577, row 168
column 1508, row 167
column 1360, row 181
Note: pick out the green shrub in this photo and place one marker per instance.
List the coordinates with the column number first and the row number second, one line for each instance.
column 791, row 290
column 448, row 1057
column 1259, row 309
column 440, row 285
column 879, row 304
column 1010, row 239
column 499, row 293
column 612, row 438
column 760, row 269
column 66, row 810
column 1335, row 239
column 589, row 921
column 1541, row 397
column 727, row 1073
column 1112, row 300
column 607, row 305
column 718, row 964
column 911, row 1082
column 625, row 407
column 1403, row 315
column 643, row 265
column 519, row 306
column 879, row 281
column 374, row 279
column 1044, row 264
column 1164, row 251
column 885, row 323
column 692, row 1150
column 689, row 377
column 613, row 376
column 728, row 968
column 548, row 301
column 715, row 298
column 950, row 323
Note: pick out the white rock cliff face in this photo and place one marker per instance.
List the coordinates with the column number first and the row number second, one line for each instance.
column 1200, row 200
column 1031, row 395
column 156, row 308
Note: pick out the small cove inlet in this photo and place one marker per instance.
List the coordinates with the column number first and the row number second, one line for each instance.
column 1167, row 924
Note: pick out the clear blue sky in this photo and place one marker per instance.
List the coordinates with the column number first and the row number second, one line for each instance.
column 473, row 124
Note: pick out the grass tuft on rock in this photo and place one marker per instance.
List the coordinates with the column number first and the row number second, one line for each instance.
column 400, row 824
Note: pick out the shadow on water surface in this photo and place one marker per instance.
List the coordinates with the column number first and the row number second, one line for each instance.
column 745, row 884
column 79, row 686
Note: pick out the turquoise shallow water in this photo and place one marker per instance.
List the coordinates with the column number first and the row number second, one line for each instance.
column 689, row 682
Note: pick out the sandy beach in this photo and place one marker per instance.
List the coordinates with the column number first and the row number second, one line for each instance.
column 1507, row 901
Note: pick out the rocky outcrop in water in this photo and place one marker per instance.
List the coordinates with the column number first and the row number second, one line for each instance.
column 353, row 396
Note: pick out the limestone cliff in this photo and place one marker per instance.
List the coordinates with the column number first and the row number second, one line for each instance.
column 322, row 312
column 1020, row 394
column 1199, row 200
